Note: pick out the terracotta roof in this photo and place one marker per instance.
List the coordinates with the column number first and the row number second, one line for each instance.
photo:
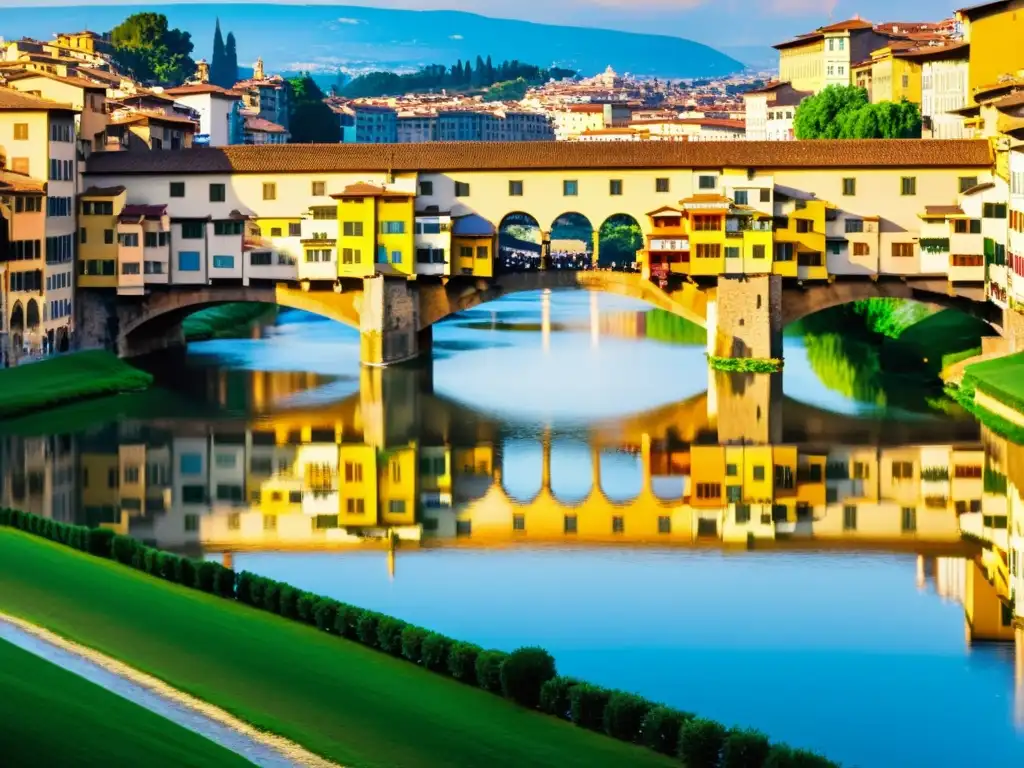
column 705, row 199
column 936, row 51
column 594, row 108
column 99, row 74
column 1013, row 100
column 200, row 89
column 978, row 188
column 12, row 181
column 103, row 191
column 78, row 82
column 553, row 155
column 799, row 40
column 139, row 117
column 139, row 211
column 260, row 125
column 363, row 189
column 941, row 211
column 766, row 88
column 847, row 26
column 665, row 209
column 16, row 100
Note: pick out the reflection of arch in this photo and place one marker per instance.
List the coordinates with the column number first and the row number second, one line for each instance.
column 619, row 238
column 580, row 468
column 32, row 314
column 18, row 317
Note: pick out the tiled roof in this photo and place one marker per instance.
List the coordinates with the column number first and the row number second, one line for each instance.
column 138, row 211
column 16, row 100
column 370, row 190
column 552, row 155
column 260, row 125
column 936, row 51
column 978, row 188
column 846, row 26
column 200, row 89
column 941, row 211
column 706, row 200
column 103, row 191
column 78, row 82
column 139, row 117
column 12, row 181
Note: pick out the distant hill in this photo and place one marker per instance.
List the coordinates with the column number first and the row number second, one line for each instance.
column 326, row 37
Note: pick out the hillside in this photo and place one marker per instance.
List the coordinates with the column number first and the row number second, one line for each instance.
column 325, row 37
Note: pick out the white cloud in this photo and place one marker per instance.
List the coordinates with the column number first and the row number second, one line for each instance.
column 456, row 37
column 347, row 20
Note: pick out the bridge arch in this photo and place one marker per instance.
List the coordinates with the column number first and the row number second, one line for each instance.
column 572, row 241
column 17, row 317
column 619, row 238
column 32, row 314
column 519, row 242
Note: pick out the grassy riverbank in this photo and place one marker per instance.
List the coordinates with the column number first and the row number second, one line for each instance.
column 1002, row 378
column 333, row 696
column 49, row 383
column 227, row 321
column 49, row 716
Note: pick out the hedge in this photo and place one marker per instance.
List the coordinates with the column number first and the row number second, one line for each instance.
column 527, row 676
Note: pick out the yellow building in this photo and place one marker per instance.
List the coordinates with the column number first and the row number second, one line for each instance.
column 473, row 246
column 994, row 31
column 893, row 74
column 706, row 213
column 800, row 239
column 99, row 209
column 375, row 230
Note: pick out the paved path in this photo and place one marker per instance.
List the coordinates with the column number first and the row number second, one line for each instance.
column 260, row 748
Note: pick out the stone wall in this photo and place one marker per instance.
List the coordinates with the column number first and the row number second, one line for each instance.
column 746, row 320
column 389, row 321
column 749, row 408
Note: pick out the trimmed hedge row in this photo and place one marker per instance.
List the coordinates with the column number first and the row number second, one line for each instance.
column 526, row 676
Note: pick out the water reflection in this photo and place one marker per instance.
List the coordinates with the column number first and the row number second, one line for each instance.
column 697, row 526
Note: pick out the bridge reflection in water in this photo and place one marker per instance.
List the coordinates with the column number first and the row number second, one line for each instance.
column 393, row 461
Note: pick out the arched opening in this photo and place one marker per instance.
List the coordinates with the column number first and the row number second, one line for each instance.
column 572, row 471
column 618, row 241
column 32, row 315
column 572, row 242
column 519, row 243
column 522, row 467
column 622, row 474
column 17, row 317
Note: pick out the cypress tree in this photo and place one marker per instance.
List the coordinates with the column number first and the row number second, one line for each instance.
column 489, row 80
column 217, row 64
column 231, row 62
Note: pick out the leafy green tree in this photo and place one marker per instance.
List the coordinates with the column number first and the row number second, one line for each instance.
column 311, row 120
column 513, row 90
column 144, row 46
column 843, row 112
column 620, row 238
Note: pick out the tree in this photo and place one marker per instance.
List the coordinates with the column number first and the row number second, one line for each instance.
column 218, row 63
column 144, row 46
column 231, row 61
column 489, row 68
column 843, row 112
column 311, row 120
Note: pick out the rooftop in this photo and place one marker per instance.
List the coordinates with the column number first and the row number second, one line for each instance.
column 103, row 191
column 362, row 189
column 540, row 155
column 259, row 125
column 16, row 100
column 202, row 89
column 12, row 181
column 78, row 82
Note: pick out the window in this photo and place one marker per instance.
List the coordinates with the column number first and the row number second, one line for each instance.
column 570, row 188
column 223, row 262
column 193, row 494
column 426, row 188
column 902, row 470
column 733, row 493
column 661, row 185
column 861, row 249
column 190, row 464
column 260, row 258
column 780, row 222
column 783, row 477
column 849, row 187
column 803, row 226
column 353, row 472
column 482, row 252
column 709, row 250
column 188, row 261
column 706, row 182
column 908, row 185
column 731, row 470
column 319, row 188
column 81, row 235
column 993, row 211
column 709, row 491
column 21, row 131
column 966, row 182
column 19, row 165
column 759, row 252
column 352, row 229
column 228, row 228
column 392, row 227
column 128, row 239
column 618, row 524
column 759, row 473
column 218, row 193
column 902, row 250
column 569, row 524
column 461, row 189
column 515, row 189
column 275, row 231
column 732, row 252
column 967, row 226
column 192, row 230
column 396, row 257
column 324, row 212
column 177, row 189
column 742, row 514
column 518, row 522
column 615, row 187
column 294, row 229
column 741, row 196
column 959, row 260
column 766, row 195
column 269, row 191
column 908, row 520
column 664, row 524
column 854, row 226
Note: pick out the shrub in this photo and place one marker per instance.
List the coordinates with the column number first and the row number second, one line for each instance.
column 151, row 561
column 324, row 613
column 139, row 558
column 346, row 623
column 624, row 716
column 435, row 650
column 185, row 571
column 389, row 635
column 783, row 756
column 554, row 696
column 243, row 586
column 165, row 565
column 661, row 729
column 288, row 602
column 587, row 703
column 257, row 589
column 524, row 672
column 700, row 743
column 122, row 548
column 272, row 596
column 205, row 575
column 5, row 516
column 17, row 519
column 412, row 643
column 488, row 670
column 100, row 541
column 745, row 749
column 304, row 606
column 223, row 581
column 462, row 662
column 366, row 628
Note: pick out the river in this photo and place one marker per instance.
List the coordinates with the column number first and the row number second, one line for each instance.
column 809, row 554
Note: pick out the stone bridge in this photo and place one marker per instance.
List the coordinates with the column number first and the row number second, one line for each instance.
column 744, row 316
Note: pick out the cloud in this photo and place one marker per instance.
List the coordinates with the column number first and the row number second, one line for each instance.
column 456, row 37
column 347, row 20
column 799, row 7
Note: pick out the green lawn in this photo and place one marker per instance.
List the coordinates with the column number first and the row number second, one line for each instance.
column 354, row 705
column 938, row 336
column 48, row 383
column 224, row 321
column 50, row 717
column 1002, row 378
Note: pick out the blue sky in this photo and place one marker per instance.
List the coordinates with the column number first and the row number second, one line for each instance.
column 718, row 22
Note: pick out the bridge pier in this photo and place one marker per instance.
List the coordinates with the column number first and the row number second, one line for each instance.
column 389, row 321
column 748, row 408
column 744, row 319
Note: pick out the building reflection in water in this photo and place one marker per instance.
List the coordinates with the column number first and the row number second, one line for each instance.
column 395, row 462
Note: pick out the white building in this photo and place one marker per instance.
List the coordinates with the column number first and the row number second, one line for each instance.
column 770, row 112
column 219, row 109
column 433, row 230
column 944, row 81
column 61, row 227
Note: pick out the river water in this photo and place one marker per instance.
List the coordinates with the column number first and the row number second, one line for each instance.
column 809, row 554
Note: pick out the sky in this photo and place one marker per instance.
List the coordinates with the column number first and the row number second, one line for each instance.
column 750, row 22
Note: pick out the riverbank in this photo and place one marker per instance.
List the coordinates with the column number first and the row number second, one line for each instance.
column 337, row 698
column 49, row 716
column 993, row 390
column 71, row 378
column 227, row 321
